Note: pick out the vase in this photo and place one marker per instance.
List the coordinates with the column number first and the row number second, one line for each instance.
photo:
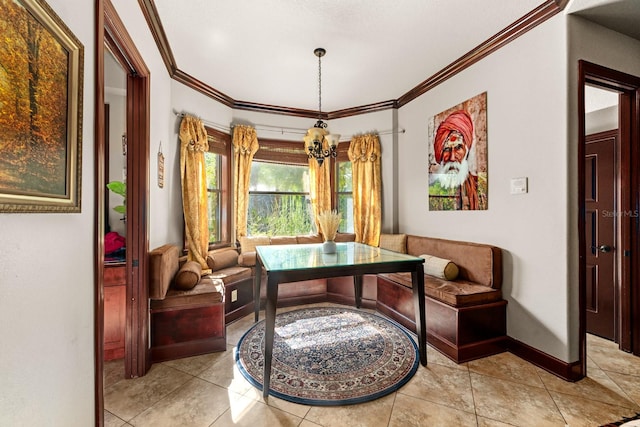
column 329, row 247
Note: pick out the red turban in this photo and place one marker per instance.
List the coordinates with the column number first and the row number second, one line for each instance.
column 457, row 121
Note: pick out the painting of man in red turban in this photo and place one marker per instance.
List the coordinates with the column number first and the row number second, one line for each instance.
column 453, row 173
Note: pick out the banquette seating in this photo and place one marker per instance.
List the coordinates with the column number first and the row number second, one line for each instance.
column 466, row 314
column 188, row 309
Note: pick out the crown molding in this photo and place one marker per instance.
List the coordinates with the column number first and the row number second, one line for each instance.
column 500, row 39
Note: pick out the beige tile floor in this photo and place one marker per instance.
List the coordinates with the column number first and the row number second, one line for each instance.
column 501, row 390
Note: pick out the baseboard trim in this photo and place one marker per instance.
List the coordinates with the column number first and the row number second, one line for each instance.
column 568, row 371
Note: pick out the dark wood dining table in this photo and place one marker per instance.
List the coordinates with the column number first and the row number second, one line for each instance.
column 297, row 262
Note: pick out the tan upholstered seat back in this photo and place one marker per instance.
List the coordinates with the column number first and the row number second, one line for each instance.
column 163, row 266
column 478, row 263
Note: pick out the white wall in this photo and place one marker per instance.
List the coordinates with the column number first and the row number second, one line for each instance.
column 47, row 287
column 601, row 120
column 526, row 85
column 164, row 226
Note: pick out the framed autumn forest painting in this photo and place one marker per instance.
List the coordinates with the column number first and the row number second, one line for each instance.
column 41, row 80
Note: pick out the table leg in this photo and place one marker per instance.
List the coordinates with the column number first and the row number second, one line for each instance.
column 417, row 280
column 357, row 290
column 256, row 289
column 269, row 326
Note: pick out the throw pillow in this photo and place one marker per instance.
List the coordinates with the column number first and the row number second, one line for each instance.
column 249, row 243
column 188, row 276
column 394, row 242
column 217, row 260
column 440, row 267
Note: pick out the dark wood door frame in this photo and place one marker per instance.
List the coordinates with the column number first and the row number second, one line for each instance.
column 628, row 202
column 110, row 31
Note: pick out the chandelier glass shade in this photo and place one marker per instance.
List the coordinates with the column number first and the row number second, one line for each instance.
column 319, row 142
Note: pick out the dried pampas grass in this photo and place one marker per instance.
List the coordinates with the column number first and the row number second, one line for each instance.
column 329, row 223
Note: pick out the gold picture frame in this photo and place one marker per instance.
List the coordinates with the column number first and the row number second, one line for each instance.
column 40, row 110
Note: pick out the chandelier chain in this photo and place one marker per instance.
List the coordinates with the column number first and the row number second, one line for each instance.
column 320, row 86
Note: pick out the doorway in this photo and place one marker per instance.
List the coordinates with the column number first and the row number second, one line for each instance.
column 115, row 211
column 601, row 211
column 112, row 35
column 608, row 201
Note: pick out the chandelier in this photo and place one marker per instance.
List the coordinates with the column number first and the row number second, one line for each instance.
column 316, row 136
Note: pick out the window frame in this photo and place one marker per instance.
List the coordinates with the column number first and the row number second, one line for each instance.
column 289, row 152
column 282, row 152
column 220, row 143
column 343, row 156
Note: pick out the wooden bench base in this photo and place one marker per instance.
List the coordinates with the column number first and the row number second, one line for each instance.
column 460, row 333
column 238, row 299
column 187, row 331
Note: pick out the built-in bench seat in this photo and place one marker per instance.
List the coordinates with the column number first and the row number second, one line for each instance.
column 466, row 316
column 187, row 322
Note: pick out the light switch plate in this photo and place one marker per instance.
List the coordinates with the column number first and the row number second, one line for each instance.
column 519, row 185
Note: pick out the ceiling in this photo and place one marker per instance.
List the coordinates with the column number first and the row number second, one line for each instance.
column 261, row 51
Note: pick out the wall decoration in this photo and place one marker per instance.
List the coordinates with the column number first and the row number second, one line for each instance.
column 41, row 82
column 160, row 167
column 458, row 157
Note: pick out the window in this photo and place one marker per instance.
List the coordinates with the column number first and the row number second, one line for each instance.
column 344, row 195
column 217, row 161
column 342, row 184
column 279, row 203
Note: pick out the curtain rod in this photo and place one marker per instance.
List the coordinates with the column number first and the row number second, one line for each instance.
column 271, row 128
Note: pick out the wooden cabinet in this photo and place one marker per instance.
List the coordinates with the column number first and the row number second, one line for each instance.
column 115, row 295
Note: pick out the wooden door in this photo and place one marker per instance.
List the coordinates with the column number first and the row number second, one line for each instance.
column 600, row 231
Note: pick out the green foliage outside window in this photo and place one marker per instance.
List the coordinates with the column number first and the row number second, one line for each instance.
column 279, row 203
column 212, row 166
column 345, row 196
column 279, row 215
column 279, row 200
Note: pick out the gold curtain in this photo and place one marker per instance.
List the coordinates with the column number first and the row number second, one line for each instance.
column 193, row 176
column 245, row 145
column 364, row 153
column 320, row 187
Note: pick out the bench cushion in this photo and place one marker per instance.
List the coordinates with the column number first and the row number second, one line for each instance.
column 231, row 274
column 310, row 238
column 247, row 259
column 249, row 243
column 222, row 258
column 345, row 237
column 283, row 240
column 188, row 276
column 459, row 293
column 394, row 242
column 163, row 266
column 477, row 263
column 439, row 267
column 208, row 291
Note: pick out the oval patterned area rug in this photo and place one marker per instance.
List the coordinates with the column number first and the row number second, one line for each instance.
column 330, row 356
